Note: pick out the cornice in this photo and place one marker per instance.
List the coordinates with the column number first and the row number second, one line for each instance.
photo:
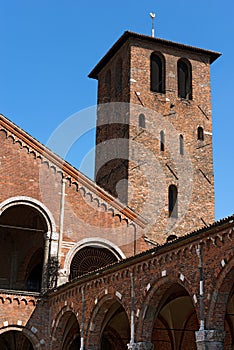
column 68, row 170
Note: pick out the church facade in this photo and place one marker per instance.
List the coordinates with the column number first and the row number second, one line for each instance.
column 133, row 260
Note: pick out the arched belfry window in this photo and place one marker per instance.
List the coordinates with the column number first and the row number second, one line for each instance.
column 162, row 141
column 181, row 144
column 200, row 133
column 118, row 76
column 157, row 73
column 172, row 201
column 184, row 74
column 142, row 120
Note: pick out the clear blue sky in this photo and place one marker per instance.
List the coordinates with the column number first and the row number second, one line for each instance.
column 48, row 47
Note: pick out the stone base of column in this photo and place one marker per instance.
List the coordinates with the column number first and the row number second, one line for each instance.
column 210, row 340
column 141, row 346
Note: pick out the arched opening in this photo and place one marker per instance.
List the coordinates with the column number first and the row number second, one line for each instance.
column 176, row 322
column 71, row 334
column 181, row 144
column 157, row 73
column 14, row 340
column 162, row 141
column 115, row 333
column 142, row 120
column 22, row 230
column 200, row 133
column 67, row 333
column 229, row 322
column 172, row 201
column 89, row 259
column 184, row 74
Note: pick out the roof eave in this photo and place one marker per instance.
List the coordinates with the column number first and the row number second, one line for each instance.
column 126, row 35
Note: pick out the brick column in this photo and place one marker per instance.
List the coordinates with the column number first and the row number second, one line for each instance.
column 210, row 340
column 141, row 346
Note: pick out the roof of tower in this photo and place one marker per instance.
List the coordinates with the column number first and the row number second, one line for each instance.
column 127, row 35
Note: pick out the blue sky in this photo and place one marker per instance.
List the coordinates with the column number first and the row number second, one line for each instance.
column 48, row 47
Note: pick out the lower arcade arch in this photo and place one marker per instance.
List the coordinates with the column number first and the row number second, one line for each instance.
column 223, row 301
column 170, row 320
column 67, row 333
column 110, row 326
column 15, row 340
column 229, row 322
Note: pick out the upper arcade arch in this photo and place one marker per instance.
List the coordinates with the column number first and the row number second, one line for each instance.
column 34, row 203
column 27, row 234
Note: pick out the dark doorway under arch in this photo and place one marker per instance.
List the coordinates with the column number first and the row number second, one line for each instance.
column 71, row 335
column 22, row 230
column 14, row 340
column 176, row 322
column 116, row 330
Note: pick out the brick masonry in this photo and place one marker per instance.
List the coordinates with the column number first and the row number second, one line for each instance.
column 164, row 277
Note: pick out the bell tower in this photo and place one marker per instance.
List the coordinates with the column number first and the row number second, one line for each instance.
column 154, row 132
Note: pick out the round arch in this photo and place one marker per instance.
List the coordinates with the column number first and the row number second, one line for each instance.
column 91, row 242
column 36, row 343
column 158, row 318
column 31, row 202
column 221, row 293
column 109, row 325
column 25, row 268
column 66, row 331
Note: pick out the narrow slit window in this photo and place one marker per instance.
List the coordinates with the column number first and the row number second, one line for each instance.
column 142, row 120
column 200, row 133
column 119, row 77
column 172, row 201
column 184, row 73
column 181, row 144
column 157, row 73
column 108, row 84
column 162, row 141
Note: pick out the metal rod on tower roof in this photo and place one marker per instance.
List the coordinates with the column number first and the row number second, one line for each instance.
column 152, row 15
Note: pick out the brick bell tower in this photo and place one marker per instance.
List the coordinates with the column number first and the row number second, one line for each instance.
column 154, row 132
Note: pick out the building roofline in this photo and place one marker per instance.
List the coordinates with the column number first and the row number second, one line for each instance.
column 127, row 35
column 160, row 249
column 71, row 171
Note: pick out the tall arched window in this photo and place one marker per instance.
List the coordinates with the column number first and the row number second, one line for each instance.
column 141, row 120
column 162, row 141
column 200, row 133
column 184, row 74
column 118, row 77
column 172, row 201
column 157, row 73
column 181, row 144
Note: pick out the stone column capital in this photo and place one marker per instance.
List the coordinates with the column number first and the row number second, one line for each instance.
column 141, row 346
column 210, row 339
